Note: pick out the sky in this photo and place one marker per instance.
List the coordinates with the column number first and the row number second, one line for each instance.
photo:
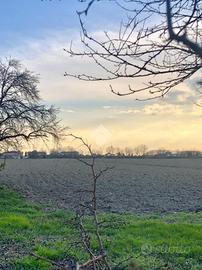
column 36, row 32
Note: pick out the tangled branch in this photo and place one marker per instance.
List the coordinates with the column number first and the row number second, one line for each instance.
column 157, row 47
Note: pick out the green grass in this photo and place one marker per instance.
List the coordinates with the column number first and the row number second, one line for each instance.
column 152, row 241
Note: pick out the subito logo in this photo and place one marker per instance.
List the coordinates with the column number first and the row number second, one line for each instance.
column 101, row 135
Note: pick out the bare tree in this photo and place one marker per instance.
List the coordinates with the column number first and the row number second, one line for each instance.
column 158, row 45
column 140, row 150
column 128, row 151
column 110, row 150
column 22, row 116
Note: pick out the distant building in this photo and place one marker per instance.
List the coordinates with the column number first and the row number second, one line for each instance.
column 189, row 154
column 159, row 153
column 35, row 154
column 69, row 154
column 12, row 155
column 64, row 154
column 54, row 154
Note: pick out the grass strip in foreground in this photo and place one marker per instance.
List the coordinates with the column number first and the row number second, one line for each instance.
column 150, row 241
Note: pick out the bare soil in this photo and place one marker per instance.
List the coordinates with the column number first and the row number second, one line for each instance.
column 134, row 185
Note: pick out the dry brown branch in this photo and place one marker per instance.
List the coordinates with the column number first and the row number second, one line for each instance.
column 89, row 262
column 49, row 261
column 98, row 258
column 91, row 207
column 78, row 267
column 3, row 164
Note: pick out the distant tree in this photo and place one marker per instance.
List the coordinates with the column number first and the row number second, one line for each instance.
column 163, row 153
column 119, row 152
column 140, row 150
column 99, row 151
column 158, row 45
column 128, row 151
column 110, row 150
column 22, row 116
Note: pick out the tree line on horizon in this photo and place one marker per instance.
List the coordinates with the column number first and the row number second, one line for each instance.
column 110, row 152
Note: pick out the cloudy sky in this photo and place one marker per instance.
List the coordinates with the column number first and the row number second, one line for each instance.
column 36, row 32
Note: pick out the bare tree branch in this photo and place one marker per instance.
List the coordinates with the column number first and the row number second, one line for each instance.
column 157, row 47
column 196, row 48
